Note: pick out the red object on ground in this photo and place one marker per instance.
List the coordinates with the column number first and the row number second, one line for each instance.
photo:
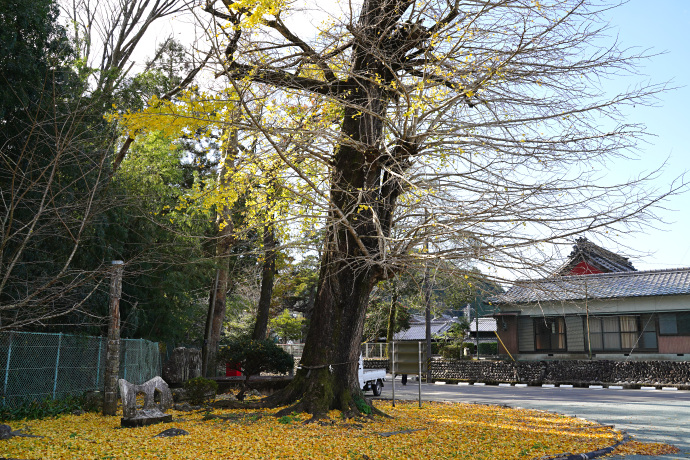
column 233, row 370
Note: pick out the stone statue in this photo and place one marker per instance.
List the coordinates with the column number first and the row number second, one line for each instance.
column 152, row 412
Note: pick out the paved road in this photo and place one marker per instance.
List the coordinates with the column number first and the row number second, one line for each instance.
column 658, row 416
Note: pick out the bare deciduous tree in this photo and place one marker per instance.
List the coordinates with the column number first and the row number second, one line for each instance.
column 476, row 126
column 51, row 176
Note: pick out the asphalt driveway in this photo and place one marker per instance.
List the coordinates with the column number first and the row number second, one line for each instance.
column 655, row 416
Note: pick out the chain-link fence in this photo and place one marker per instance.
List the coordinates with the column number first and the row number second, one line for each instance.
column 374, row 350
column 295, row 349
column 40, row 365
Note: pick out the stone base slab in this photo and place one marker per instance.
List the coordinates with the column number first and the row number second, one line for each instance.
column 144, row 421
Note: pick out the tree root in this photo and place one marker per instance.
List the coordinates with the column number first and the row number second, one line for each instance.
column 378, row 413
column 298, row 399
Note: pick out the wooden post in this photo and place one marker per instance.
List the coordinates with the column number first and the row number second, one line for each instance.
column 112, row 357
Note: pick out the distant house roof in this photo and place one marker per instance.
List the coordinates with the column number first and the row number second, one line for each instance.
column 599, row 286
column 485, row 325
column 417, row 331
column 588, row 258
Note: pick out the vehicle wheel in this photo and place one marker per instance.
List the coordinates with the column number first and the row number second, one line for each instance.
column 378, row 386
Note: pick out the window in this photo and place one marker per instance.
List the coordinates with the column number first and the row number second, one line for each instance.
column 624, row 333
column 674, row 323
column 648, row 328
column 549, row 334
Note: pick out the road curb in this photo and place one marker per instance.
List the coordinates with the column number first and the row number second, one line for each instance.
column 588, row 455
column 599, row 386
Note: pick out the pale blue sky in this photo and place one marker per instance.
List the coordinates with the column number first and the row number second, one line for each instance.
column 663, row 26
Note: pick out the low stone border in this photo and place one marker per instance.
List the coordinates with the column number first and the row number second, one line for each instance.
column 576, row 372
column 588, row 455
column 630, row 374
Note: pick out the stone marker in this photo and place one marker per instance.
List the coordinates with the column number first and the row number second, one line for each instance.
column 185, row 407
column 152, row 412
column 7, row 433
column 170, row 432
column 184, row 364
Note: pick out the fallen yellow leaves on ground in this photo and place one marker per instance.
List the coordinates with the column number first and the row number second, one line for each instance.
column 436, row 431
column 650, row 448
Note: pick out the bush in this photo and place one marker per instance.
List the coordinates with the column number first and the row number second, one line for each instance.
column 452, row 350
column 199, row 390
column 488, row 348
column 38, row 409
column 255, row 357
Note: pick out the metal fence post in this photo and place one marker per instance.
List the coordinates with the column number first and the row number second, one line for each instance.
column 124, row 359
column 141, row 354
column 159, row 361
column 7, row 368
column 57, row 364
column 98, row 362
column 419, row 380
column 393, row 370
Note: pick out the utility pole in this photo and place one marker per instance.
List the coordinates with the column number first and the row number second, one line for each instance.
column 427, row 298
column 476, row 329
column 112, row 357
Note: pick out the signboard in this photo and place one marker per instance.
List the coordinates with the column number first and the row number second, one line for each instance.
column 405, row 358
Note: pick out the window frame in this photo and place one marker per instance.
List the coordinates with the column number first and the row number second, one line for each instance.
column 643, row 328
column 560, row 335
column 684, row 333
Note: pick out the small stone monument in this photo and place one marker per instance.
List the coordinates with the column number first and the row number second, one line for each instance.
column 152, row 412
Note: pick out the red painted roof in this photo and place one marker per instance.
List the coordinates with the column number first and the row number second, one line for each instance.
column 583, row 268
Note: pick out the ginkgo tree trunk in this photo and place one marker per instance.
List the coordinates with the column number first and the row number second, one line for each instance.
column 224, row 241
column 485, row 113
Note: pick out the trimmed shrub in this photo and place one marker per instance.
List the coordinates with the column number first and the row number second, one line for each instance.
column 488, row 348
column 200, row 390
column 256, row 356
column 452, row 350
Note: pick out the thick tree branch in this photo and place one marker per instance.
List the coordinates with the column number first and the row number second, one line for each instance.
column 279, row 26
column 282, row 79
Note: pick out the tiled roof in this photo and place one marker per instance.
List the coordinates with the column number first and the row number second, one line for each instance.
column 599, row 286
column 485, row 325
column 417, row 331
column 605, row 260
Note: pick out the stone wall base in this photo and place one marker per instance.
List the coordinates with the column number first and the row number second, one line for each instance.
column 577, row 372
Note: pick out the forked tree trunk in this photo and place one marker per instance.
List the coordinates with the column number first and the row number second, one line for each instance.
column 328, row 377
column 363, row 192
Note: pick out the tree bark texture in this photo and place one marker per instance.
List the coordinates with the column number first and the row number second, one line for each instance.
column 390, row 331
column 364, row 187
column 268, row 272
column 224, row 244
column 327, row 378
column 112, row 359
